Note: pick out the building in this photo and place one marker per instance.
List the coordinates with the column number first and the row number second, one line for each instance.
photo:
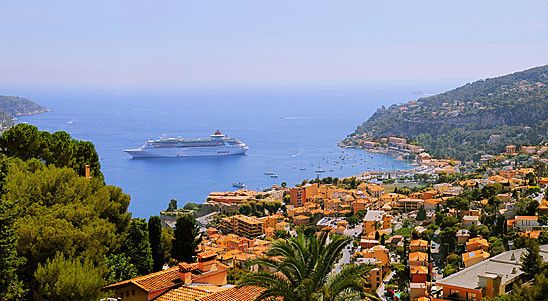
column 510, row 150
column 375, row 220
column 474, row 257
column 242, row 225
column 300, row 195
column 477, row 243
column 419, row 274
column 469, row 220
column 407, row 204
column 418, row 258
column 418, row 245
column 489, row 278
column 195, row 280
column 526, row 223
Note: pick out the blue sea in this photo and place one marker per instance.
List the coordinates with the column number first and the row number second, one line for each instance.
column 287, row 129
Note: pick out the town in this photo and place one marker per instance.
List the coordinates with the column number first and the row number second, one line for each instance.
column 445, row 230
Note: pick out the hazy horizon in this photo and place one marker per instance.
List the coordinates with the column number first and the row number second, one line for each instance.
column 130, row 45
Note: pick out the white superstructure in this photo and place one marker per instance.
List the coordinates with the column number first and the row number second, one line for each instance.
column 216, row 145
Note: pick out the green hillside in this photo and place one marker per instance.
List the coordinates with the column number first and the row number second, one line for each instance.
column 12, row 106
column 477, row 118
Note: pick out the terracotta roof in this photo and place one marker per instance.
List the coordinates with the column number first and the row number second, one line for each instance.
column 154, row 281
column 183, row 293
column 246, row 293
column 418, row 256
column 418, row 269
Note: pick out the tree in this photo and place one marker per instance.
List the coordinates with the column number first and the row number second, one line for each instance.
column 303, row 269
column 531, row 261
column 137, row 246
column 172, row 205
column 167, row 242
column 11, row 288
column 155, row 238
column 187, row 238
column 119, row 268
column 421, row 215
column 69, row 279
column 22, row 141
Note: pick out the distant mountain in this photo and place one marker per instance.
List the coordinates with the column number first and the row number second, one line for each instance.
column 12, row 106
column 477, row 118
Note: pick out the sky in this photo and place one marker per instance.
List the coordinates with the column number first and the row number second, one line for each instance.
column 164, row 43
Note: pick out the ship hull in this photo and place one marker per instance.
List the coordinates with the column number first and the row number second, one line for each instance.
column 184, row 152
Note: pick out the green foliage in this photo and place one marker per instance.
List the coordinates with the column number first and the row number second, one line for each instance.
column 172, row 205
column 137, row 246
column 526, row 206
column 155, row 239
column 25, row 141
column 59, row 211
column 531, row 261
column 475, row 119
column 68, row 279
column 187, row 237
column 449, row 269
column 421, row 214
column 11, row 288
column 303, row 270
column 167, row 243
column 119, row 268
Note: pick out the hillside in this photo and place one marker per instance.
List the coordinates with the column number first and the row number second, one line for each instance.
column 12, row 106
column 477, row 118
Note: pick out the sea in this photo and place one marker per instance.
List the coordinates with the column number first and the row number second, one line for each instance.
column 290, row 130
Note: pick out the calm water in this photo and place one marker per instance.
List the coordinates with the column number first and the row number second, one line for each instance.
column 286, row 130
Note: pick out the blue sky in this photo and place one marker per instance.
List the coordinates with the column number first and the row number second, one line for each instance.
column 236, row 42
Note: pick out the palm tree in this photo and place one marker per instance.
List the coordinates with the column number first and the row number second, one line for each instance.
column 301, row 269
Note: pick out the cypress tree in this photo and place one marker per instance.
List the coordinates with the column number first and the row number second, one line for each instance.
column 155, row 238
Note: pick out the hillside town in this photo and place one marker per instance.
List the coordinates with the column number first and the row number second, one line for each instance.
column 446, row 230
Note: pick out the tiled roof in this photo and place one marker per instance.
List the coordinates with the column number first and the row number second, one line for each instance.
column 183, row 293
column 246, row 293
column 154, row 281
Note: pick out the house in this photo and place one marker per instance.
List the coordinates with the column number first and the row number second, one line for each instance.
column 418, row 245
column 469, row 220
column 418, row 258
column 490, row 278
column 417, row 291
column 477, row 243
column 473, row 257
column 419, row 273
column 190, row 279
column 526, row 223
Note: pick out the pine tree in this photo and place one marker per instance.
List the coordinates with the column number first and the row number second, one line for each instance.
column 187, row 237
column 155, row 238
column 10, row 286
column 531, row 261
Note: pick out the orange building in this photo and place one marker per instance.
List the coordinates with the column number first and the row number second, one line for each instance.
column 299, row 195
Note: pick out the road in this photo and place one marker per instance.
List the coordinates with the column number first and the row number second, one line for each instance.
column 380, row 290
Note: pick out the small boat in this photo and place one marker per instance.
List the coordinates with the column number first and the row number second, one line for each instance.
column 319, row 170
column 268, row 173
column 273, row 175
column 302, row 168
column 238, row 184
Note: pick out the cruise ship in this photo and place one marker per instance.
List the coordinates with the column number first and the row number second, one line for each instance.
column 216, row 145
